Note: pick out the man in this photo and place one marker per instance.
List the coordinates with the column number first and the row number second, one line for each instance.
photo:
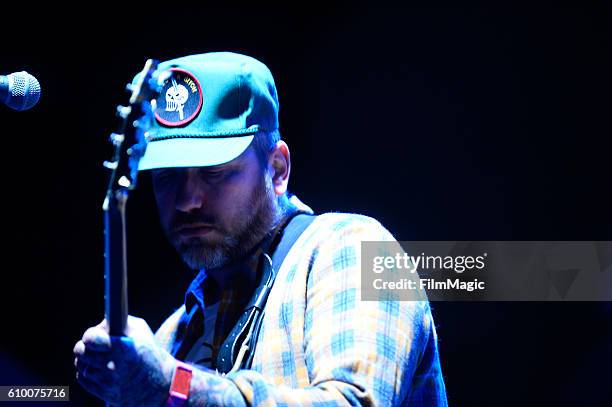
column 220, row 175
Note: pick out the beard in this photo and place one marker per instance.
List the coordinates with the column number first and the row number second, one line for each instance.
column 236, row 244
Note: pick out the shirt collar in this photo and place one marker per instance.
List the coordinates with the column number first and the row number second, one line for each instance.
column 195, row 292
column 201, row 285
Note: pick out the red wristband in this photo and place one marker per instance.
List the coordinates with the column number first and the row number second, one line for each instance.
column 181, row 381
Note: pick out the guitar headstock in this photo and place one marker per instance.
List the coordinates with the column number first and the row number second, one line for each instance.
column 130, row 141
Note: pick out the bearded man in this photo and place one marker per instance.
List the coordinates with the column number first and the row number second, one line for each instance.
column 274, row 314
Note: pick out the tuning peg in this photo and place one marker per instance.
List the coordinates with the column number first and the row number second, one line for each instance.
column 129, row 87
column 111, row 165
column 124, row 111
column 158, row 79
column 116, row 139
column 124, row 182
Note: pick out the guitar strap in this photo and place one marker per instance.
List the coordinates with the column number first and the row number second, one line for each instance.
column 239, row 346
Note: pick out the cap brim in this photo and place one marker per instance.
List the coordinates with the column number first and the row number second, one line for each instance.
column 193, row 152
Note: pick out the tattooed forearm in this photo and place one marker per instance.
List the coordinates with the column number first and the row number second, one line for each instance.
column 209, row 389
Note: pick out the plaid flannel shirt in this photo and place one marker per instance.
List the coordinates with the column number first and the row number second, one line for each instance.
column 319, row 343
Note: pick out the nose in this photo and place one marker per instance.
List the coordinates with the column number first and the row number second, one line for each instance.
column 191, row 195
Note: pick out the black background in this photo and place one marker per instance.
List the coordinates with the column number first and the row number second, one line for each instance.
column 443, row 123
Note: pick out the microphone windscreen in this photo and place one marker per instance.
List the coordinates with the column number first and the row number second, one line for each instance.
column 24, row 90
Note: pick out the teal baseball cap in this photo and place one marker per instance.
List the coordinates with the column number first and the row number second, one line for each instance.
column 209, row 109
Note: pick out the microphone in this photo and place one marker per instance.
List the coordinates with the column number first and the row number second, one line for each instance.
column 19, row 90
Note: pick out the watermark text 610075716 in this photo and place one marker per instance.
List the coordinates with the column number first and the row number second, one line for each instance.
column 34, row 393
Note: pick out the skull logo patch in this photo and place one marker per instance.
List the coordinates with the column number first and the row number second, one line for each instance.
column 180, row 99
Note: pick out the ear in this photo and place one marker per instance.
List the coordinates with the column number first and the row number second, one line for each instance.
column 280, row 161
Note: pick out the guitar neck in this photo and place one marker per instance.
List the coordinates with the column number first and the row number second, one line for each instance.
column 115, row 263
column 130, row 144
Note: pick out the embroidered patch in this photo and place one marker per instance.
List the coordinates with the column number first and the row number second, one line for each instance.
column 180, row 99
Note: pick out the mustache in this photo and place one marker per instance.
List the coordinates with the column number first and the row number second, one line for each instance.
column 181, row 220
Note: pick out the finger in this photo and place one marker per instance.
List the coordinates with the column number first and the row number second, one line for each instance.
column 97, row 359
column 96, row 339
column 79, row 348
column 92, row 356
column 102, row 325
column 123, row 350
column 101, row 391
column 136, row 326
column 122, row 344
column 102, row 376
column 135, row 320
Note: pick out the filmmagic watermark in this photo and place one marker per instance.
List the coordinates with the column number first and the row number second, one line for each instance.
column 486, row 271
column 404, row 261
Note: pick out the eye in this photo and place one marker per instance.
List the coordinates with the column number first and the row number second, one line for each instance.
column 214, row 175
column 163, row 176
column 218, row 175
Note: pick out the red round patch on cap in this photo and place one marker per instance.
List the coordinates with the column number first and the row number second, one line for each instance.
column 180, row 99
